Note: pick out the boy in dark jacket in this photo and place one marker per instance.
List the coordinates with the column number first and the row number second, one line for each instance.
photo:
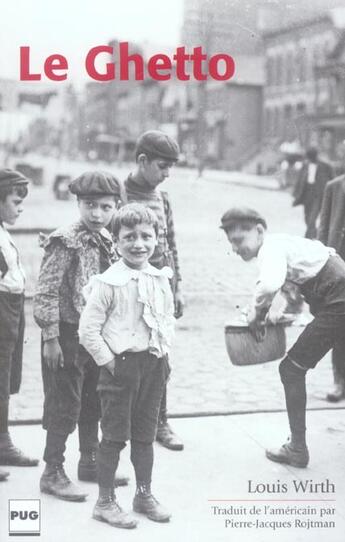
column 72, row 255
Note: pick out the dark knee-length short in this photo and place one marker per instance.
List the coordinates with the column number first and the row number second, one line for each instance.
column 325, row 295
column 130, row 399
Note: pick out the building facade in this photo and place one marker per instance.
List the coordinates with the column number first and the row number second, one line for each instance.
column 304, row 89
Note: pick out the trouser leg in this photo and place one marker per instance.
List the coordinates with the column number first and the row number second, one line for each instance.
column 3, row 416
column 62, row 390
column 163, row 409
column 90, row 412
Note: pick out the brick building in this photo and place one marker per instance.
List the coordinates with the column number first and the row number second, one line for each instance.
column 305, row 87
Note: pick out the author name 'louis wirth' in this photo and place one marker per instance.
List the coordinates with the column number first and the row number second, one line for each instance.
column 299, row 486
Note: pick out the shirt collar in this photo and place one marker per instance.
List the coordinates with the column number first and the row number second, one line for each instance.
column 103, row 232
column 120, row 274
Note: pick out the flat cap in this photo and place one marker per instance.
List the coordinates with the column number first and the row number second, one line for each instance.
column 11, row 177
column 238, row 214
column 95, row 183
column 158, row 144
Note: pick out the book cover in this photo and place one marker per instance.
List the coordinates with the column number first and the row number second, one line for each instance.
column 245, row 88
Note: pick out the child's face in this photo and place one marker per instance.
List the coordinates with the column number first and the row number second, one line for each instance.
column 137, row 244
column 246, row 243
column 156, row 171
column 96, row 213
column 11, row 208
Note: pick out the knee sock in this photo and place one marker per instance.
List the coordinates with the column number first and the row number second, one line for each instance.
column 142, row 459
column 88, row 436
column 293, row 379
column 55, row 447
column 108, row 456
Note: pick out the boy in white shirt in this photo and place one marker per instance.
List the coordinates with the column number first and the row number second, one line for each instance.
column 127, row 327
column 320, row 274
column 13, row 191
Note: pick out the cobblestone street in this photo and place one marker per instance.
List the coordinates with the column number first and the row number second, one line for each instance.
column 215, row 282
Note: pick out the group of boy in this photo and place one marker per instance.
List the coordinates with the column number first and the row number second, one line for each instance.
column 127, row 388
column 108, row 358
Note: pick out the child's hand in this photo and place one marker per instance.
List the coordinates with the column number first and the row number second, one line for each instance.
column 111, row 366
column 52, row 354
column 256, row 325
column 179, row 304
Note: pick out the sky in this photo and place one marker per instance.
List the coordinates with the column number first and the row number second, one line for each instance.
column 72, row 27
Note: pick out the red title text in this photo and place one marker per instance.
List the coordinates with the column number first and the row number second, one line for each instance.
column 185, row 66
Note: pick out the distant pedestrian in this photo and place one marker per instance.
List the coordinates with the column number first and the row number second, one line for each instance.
column 332, row 233
column 72, row 254
column 155, row 154
column 320, row 273
column 309, row 189
column 127, row 327
column 13, row 190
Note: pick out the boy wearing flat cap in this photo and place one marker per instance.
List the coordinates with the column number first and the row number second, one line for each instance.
column 320, row 274
column 13, row 190
column 155, row 154
column 72, row 255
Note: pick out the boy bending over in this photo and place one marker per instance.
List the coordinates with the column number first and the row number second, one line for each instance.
column 320, row 274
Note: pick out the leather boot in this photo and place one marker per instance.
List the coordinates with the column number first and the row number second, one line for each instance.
column 54, row 481
column 3, row 475
column 167, row 438
column 296, row 457
column 337, row 394
column 12, row 456
column 109, row 511
column 87, row 470
column 151, row 508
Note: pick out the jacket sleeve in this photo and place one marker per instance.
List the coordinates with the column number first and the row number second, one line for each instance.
column 56, row 260
column 325, row 216
column 171, row 238
column 326, row 176
column 92, row 321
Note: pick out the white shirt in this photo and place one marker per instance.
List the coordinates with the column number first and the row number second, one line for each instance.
column 284, row 258
column 127, row 310
column 12, row 276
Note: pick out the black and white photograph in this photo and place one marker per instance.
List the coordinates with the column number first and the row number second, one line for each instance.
column 172, row 270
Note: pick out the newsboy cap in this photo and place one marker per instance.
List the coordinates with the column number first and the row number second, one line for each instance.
column 11, row 177
column 95, row 183
column 158, row 144
column 239, row 214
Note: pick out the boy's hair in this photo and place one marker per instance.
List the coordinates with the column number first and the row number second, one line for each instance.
column 131, row 215
column 21, row 190
column 245, row 225
column 242, row 218
column 92, row 197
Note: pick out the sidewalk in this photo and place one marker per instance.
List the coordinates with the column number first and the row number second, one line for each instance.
column 210, row 477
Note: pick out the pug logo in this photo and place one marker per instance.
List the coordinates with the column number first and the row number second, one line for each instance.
column 24, row 517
